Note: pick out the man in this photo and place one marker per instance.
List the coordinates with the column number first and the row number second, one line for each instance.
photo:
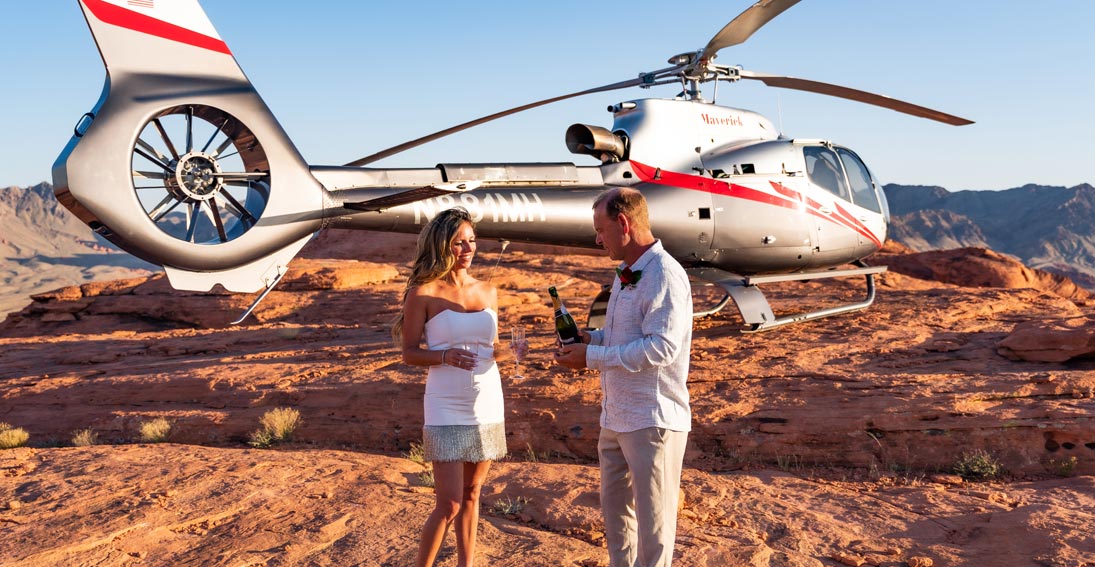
column 642, row 354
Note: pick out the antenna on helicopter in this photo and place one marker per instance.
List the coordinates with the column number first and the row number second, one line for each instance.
column 779, row 113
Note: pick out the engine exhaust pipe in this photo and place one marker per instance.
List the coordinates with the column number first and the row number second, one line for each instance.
column 596, row 141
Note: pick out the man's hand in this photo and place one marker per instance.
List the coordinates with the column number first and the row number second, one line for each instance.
column 572, row 356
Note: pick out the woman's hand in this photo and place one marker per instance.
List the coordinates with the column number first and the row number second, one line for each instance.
column 459, row 358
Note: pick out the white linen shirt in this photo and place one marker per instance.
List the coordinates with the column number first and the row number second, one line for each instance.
column 644, row 348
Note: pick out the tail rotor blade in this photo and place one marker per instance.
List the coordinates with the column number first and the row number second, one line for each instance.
column 854, row 94
column 743, row 26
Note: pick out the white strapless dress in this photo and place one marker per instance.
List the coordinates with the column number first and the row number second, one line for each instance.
column 460, row 397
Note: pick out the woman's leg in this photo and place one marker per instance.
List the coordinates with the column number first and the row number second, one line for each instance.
column 468, row 518
column 448, row 482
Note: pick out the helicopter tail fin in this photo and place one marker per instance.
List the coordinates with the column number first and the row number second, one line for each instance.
column 158, row 36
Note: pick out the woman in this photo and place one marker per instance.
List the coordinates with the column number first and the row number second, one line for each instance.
column 464, row 429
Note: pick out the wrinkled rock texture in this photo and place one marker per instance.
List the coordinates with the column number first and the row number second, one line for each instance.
column 832, row 442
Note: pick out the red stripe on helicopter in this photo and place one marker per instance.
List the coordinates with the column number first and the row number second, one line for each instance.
column 686, row 181
column 845, row 218
column 125, row 18
column 787, row 198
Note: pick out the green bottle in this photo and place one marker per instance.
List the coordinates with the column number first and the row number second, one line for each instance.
column 565, row 326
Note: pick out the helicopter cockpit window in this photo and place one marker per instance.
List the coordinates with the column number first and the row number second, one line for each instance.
column 859, row 177
column 825, row 170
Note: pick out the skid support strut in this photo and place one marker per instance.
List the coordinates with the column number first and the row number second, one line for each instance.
column 754, row 307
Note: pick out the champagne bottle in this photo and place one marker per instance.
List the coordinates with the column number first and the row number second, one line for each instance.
column 565, row 326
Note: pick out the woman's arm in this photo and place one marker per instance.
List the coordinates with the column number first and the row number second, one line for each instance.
column 415, row 314
column 414, row 326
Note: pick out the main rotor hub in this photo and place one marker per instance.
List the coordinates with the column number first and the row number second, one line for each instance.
column 196, row 177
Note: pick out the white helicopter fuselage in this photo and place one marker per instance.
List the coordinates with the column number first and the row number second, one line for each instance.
column 723, row 191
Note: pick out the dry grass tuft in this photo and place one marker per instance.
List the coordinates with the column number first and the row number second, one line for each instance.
column 155, row 431
column 416, row 454
column 278, row 426
column 12, row 437
column 85, row 438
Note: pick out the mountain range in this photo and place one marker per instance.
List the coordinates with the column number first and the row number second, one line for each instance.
column 1046, row 227
column 43, row 246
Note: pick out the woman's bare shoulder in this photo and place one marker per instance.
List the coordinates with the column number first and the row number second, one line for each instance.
column 427, row 289
column 487, row 293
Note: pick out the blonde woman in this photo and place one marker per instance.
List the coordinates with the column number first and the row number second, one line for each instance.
column 455, row 315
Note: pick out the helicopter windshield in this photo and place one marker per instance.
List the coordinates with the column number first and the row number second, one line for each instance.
column 825, row 170
column 860, row 180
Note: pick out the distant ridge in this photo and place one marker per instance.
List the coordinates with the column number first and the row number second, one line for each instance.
column 43, row 247
column 1047, row 227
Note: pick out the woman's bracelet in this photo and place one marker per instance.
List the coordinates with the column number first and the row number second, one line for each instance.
column 444, row 353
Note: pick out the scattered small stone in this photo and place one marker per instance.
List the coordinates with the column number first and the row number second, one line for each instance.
column 848, row 559
column 949, row 479
column 918, row 561
column 943, row 345
column 15, row 505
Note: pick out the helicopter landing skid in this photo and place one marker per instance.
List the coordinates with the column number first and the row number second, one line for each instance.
column 754, row 307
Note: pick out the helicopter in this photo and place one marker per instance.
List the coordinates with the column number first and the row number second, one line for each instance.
column 182, row 164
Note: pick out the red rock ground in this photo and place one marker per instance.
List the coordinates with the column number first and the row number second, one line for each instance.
column 826, row 443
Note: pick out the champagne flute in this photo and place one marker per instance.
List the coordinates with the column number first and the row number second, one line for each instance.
column 471, row 347
column 519, row 345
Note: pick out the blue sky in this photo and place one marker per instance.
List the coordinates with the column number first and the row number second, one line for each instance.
column 349, row 78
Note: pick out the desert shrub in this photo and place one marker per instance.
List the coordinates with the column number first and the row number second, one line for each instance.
column 278, row 425
column 12, row 437
column 509, row 506
column 261, row 439
column 85, row 438
column 1064, row 467
column 978, row 465
column 426, row 478
column 156, row 430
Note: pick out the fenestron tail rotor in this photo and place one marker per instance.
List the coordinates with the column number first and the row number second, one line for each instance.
column 200, row 174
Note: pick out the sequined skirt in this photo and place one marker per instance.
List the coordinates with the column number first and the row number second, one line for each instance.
column 464, row 443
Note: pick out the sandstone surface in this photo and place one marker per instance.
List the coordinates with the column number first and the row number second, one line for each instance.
column 824, row 443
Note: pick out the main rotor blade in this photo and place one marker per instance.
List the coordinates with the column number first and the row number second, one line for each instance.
column 856, row 95
column 743, row 26
column 645, row 78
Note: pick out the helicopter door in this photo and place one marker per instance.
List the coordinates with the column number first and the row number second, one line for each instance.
column 830, row 194
column 867, row 205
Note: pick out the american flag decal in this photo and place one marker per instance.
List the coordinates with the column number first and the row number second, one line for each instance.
column 142, row 3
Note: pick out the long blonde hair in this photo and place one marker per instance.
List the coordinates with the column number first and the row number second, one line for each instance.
column 434, row 258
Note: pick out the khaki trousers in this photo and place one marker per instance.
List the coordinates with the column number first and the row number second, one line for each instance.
column 640, row 489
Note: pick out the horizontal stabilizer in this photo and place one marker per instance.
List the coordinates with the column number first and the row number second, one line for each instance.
column 249, row 278
column 411, row 195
